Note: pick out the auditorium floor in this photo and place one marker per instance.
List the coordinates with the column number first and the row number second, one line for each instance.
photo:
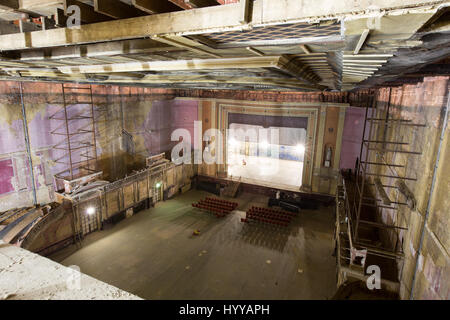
column 155, row 255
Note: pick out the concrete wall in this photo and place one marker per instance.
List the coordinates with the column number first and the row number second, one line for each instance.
column 149, row 115
column 421, row 103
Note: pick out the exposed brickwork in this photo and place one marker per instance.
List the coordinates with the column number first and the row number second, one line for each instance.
column 45, row 92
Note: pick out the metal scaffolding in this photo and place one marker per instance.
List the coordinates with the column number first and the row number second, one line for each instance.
column 374, row 154
column 76, row 126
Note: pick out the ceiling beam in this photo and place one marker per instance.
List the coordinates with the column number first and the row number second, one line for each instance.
column 305, row 49
column 361, row 41
column 37, row 4
column 201, row 3
column 88, row 14
column 156, row 79
column 60, row 18
column 178, row 65
column 245, row 15
column 276, row 82
column 9, row 4
column 297, row 69
column 117, row 9
column 181, row 4
column 127, row 47
column 198, row 21
column 282, row 63
column 255, row 51
column 155, row 6
column 187, row 44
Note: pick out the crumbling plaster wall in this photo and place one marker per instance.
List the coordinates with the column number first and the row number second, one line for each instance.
column 352, row 137
column 149, row 115
column 421, row 103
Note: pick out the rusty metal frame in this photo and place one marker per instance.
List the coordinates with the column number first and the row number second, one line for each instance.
column 71, row 142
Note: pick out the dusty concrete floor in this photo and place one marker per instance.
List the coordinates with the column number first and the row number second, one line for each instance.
column 155, row 255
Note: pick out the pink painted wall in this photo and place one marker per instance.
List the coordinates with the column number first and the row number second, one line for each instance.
column 165, row 117
column 352, row 137
column 6, row 173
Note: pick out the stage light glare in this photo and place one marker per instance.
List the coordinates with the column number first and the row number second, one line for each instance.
column 232, row 142
column 300, row 148
column 264, row 144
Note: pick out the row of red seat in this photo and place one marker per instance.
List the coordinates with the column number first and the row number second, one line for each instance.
column 276, row 217
column 218, row 206
column 215, row 203
column 272, row 211
column 213, row 206
column 221, row 201
column 218, row 211
column 270, row 221
column 269, row 216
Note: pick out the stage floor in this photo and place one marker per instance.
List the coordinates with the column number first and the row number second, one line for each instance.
column 261, row 170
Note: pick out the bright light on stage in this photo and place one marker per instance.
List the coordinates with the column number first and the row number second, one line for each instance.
column 232, row 142
column 264, row 145
column 300, row 148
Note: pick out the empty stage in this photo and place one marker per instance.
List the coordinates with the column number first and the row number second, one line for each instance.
column 267, row 171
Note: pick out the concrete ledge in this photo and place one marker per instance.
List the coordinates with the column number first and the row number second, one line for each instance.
column 28, row 276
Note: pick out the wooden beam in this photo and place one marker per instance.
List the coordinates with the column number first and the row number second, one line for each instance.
column 167, row 80
column 276, row 82
column 117, row 9
column 142, row 46
column 255, row 51
column 202, row 3
column 181, row 4
column 178, row 65
column 305, row 49
column 155, row 6
column 60, row 18
column 282, row 63
column 197, row 21
column 187, row 44
column 361, row 41
column 88, row 14
column 9, row 4
column 35, row 5
column 297, row 69
column 245, row 14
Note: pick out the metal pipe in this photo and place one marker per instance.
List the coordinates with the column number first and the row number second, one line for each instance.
column 433, row 184
column 27, row 143
column 67, row 131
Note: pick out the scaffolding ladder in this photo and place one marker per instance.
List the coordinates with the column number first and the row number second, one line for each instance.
column 76, row 127
column 375, row 154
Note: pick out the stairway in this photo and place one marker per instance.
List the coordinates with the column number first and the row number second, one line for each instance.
column 231, row 189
